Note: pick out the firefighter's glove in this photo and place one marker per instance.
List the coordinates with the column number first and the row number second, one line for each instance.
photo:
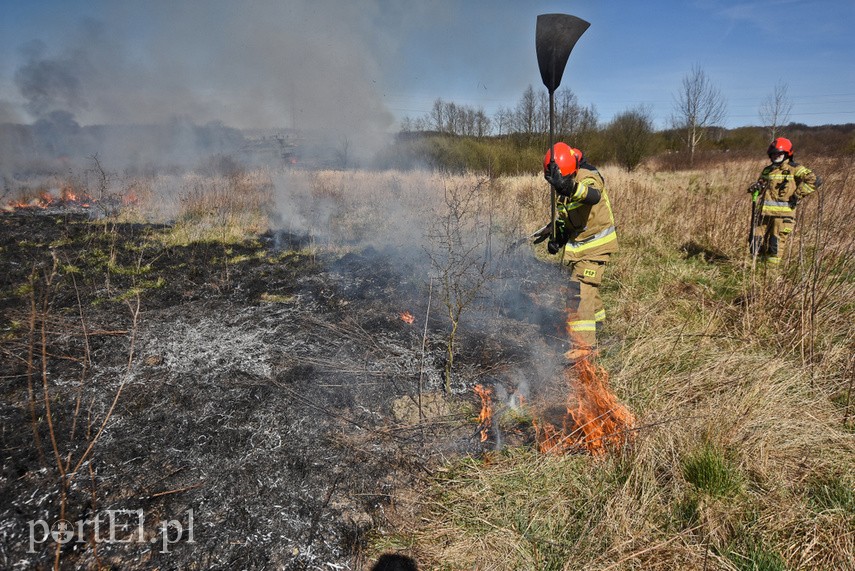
column 757, row 187
column 557, row 241
column 563, row 185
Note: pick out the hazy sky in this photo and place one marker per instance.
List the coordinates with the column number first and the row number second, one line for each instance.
column 365, row 64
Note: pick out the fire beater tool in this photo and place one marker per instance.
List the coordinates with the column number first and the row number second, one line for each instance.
column 555, row 36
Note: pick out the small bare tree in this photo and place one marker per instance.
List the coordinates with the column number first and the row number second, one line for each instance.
column 503, row 119
column 775, row 109
column 101, row 175
column 698, row 106
column 525, row 113
column 457, row 251
column 437, row 115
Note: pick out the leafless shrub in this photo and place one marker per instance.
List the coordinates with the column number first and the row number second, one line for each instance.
column 68, row 453
column 458, row 253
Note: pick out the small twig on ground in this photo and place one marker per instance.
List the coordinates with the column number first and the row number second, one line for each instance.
column 175, row 491
column 31, row 369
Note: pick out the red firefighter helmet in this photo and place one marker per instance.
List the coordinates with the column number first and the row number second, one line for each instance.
column 781, row 145
column 578, row 154
column 564, row 157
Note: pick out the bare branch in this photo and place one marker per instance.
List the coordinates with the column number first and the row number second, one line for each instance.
column 698, row 106
column 775, row 109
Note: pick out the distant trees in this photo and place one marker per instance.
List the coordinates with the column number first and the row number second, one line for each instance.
column 529, row 117
column 630, row 135
column 775, row 110
column 524, row 117
column 450, row 118
column 698, row 106
column 514, row 139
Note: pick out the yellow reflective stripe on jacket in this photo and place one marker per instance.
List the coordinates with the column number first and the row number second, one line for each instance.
column 582, row 325
column 775, row 207
column 804, row 186
column 597, row 239
column 581, row 192
column 600, row 315
column 572, row 206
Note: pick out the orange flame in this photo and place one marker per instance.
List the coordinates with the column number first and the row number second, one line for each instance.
column 599, row 418
column 45, row 199
column 67, row 194
column 407, row 317
column 595, row 419
column 485, row 418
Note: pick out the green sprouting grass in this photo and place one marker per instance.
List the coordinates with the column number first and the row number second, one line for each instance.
column 832, row 493
column 756, row 556
column 711, row 472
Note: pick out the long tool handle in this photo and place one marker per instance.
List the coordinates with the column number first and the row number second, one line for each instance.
column 552, row 194
column 751, row 225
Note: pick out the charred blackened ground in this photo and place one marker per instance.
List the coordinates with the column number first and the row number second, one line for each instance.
column 271, row 400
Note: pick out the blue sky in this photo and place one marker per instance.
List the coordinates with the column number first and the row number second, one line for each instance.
column 365, row 64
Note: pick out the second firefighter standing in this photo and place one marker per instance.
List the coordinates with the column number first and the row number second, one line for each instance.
column 775, row 195
column 585, row 235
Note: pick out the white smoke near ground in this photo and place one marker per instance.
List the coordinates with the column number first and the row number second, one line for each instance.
column 357, row 208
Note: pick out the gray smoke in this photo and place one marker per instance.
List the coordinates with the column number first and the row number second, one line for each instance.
column 307, row 65
column 313, row 66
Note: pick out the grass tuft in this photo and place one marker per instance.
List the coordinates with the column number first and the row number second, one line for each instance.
column 712, row 472
column 832, row 493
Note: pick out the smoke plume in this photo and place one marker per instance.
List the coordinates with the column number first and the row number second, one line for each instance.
column 312, row 66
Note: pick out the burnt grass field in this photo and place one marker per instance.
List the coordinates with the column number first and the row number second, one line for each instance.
column 260, row 405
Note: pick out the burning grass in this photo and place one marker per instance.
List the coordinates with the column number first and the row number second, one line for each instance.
column 736, row 461
column 595, row 421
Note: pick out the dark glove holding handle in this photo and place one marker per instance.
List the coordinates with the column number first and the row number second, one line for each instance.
column 563, row 185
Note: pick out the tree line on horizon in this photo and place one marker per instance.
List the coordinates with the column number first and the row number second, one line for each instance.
column 694, row 130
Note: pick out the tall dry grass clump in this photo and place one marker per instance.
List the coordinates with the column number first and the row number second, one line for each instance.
column 197, row 207
column 222, row 208
column 740, row 377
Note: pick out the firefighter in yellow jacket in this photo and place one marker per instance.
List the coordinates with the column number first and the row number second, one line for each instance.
column 775, row 194
column 585, row 235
